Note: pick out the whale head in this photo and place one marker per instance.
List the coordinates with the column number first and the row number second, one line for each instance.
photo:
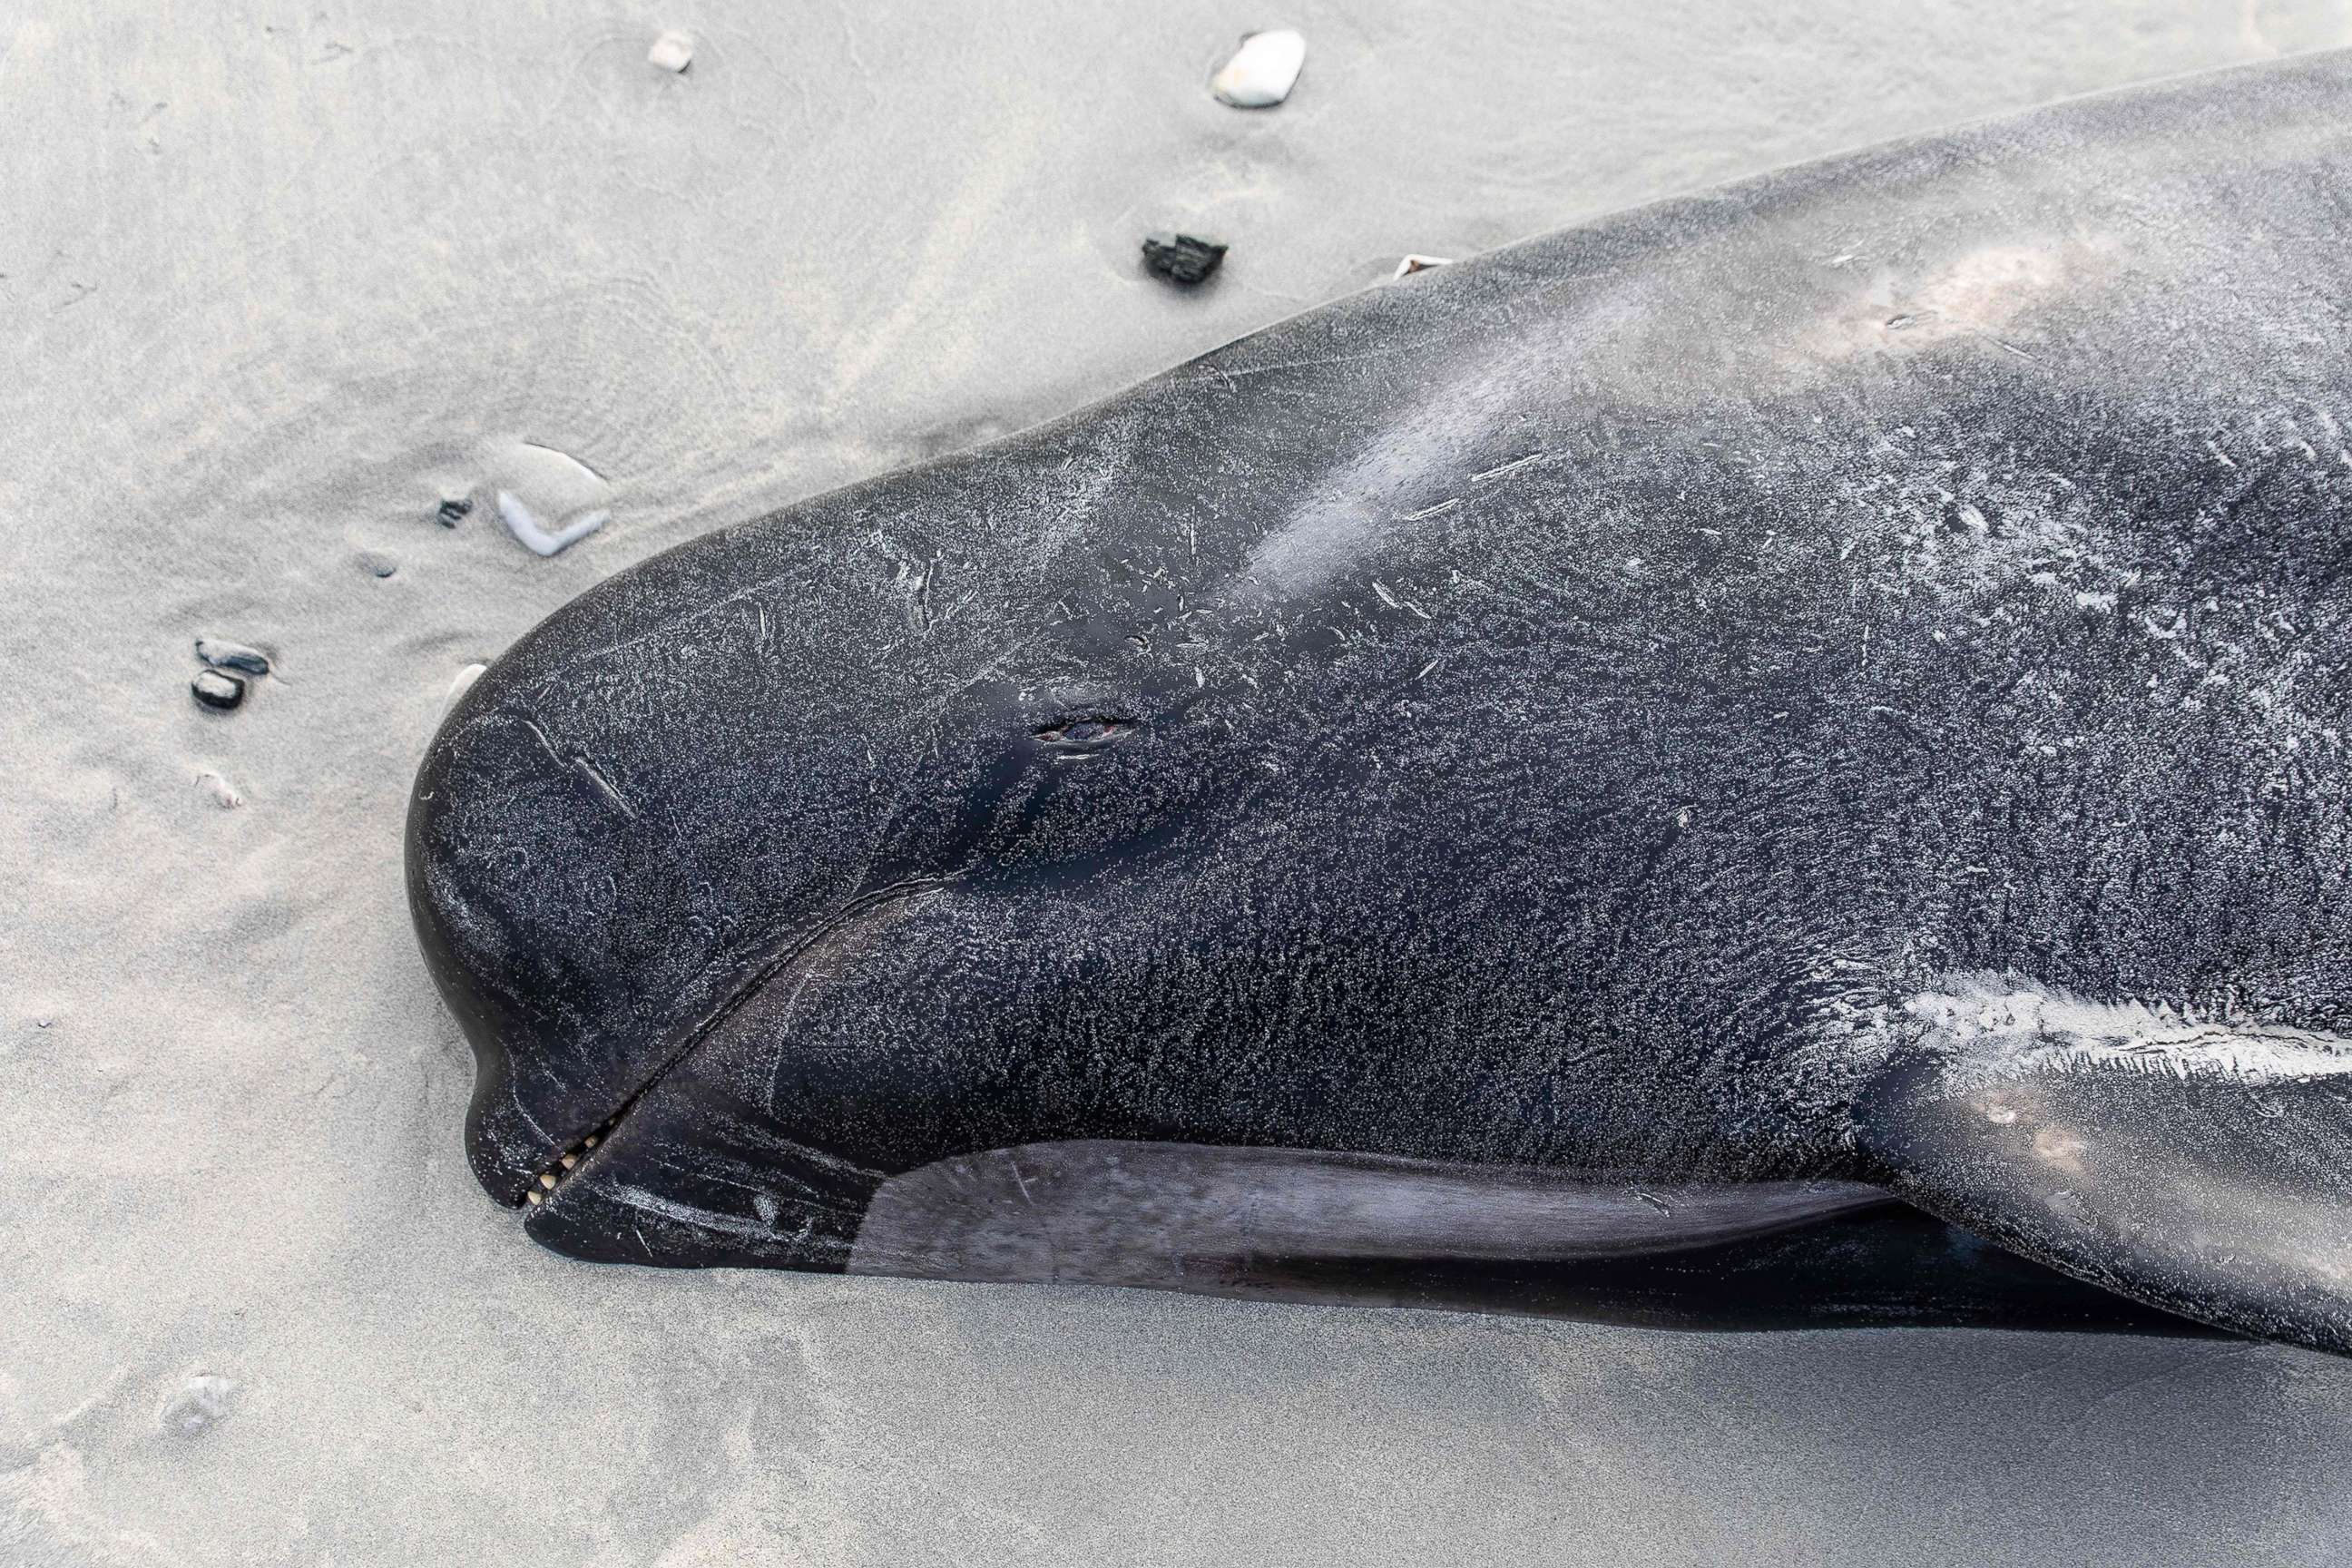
column 656, row 803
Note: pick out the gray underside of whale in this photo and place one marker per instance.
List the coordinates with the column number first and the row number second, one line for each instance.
column 1180, row 1216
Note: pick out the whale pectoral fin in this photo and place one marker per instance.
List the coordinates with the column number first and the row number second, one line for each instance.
column 2201, row 1169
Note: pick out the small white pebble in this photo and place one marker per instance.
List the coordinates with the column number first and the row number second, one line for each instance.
column 224, row 794
column 671, row 52
column 461, row 684
column 199, row 1404
column 1263, row 70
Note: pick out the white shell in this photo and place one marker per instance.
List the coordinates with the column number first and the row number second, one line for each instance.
column 671, row 52
column 548, row 499
column 460, row 685
column 1416, row 262
column 536, row 536
column 1263, row 70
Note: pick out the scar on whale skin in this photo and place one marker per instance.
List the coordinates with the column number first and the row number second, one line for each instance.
column 1990, row 1029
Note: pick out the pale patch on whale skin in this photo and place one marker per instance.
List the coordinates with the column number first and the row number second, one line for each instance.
column 1989, row 1028
column 1468, row 435
column 2197, row 1164
column 1992, row 293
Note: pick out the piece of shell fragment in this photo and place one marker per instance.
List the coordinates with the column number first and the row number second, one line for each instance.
column 222, row 654
column 673, row 51
column 1415, row 262
column 1263, row 70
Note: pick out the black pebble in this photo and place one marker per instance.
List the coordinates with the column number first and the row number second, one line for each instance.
column 218, row 688
column 453, row 511
column 1180, row 258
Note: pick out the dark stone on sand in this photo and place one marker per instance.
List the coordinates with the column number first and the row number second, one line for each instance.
column 1180, row 258
column 453, row 511
column 218, row 688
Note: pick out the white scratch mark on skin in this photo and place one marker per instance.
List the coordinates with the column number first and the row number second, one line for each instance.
column 1431, row 511
column 514, row 1094
column 544, row 743
column 606, row 787
column 1507, row 469
column 683, row 1214
column 794, row 1000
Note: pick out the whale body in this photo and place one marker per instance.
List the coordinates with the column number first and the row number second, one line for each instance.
column 1825, row 693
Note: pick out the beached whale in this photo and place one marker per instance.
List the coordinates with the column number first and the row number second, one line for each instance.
column 1669, row 734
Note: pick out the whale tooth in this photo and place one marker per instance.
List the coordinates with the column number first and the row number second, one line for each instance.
column 547, row 1178
column 533, row 1199
column 568, row 1160
column 591, row 1142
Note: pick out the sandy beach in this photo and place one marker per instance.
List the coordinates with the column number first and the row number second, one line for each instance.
column 294, row 291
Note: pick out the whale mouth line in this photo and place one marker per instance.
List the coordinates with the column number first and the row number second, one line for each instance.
column 851, row 919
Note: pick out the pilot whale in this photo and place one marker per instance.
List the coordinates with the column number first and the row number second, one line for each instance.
column 1828, row 692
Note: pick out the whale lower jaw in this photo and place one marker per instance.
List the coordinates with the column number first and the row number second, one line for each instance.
column 1189, row 1217
column 854, row 920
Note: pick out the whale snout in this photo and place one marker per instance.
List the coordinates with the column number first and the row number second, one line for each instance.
column 661, row 787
